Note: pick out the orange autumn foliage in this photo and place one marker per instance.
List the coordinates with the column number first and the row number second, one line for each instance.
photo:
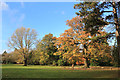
column 72, row 41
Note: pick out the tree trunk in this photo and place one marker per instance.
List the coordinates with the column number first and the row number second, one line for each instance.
column 86, row 64
column 117, row 27
column 25, row 61
column 73, row 66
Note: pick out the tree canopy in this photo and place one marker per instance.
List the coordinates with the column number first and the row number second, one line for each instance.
column 23, row 39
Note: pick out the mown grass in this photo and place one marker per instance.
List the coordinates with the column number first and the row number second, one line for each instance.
column 37, row 71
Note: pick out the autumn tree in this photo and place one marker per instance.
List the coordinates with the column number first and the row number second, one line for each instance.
column 88, row 41
column 12, row 57
column 101, row 53
column 81, row 36
column 45, row 49
column 8, row 58
column 68, row 48
column 100, row 15
column 23, row 39
column 18, row 57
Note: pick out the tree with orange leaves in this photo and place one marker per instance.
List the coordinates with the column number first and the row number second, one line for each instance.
column 75, row 39
column 68, row 48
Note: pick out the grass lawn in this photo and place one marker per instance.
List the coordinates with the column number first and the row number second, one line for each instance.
column 37, row 71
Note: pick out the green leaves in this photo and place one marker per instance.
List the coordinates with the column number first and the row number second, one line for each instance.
column 46, row 49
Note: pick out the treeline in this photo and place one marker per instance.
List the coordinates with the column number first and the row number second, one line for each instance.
column 86, row 42
column 47, row 52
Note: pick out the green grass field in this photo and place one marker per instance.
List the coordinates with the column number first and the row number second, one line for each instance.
column 37, row 71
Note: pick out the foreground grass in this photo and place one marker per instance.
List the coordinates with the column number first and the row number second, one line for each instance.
column 36, row 71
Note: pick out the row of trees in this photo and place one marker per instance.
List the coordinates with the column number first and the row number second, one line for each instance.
column 85, row 42
column 61, row 51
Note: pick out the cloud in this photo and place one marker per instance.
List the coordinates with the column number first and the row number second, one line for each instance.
column 15, row 16
column 62, row 12
column 4, row 6
column 13, row 13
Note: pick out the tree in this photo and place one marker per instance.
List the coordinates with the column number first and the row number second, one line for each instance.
column 89, row 42
column 68, row 50
column 4, row 53
column 95, row 19
column 4, row 57
column 0, row 58
column 23, row 39
column 8, row 58
column 82, row 36
column 12, row 57
column 17, row 56
column 115, row 54
column 45, row 48
column 100, row 53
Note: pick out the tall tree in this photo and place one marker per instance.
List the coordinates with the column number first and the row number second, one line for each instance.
column 86, row 39
column 23, row 39
column 98, row 15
